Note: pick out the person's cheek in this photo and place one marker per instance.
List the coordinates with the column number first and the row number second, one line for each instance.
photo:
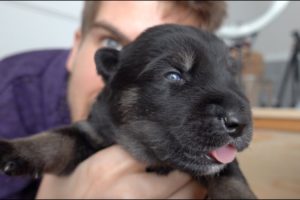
column 95, row 78
column 93, row 82
column 85, row 84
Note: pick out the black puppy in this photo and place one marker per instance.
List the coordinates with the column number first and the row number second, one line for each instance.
column 170, row 99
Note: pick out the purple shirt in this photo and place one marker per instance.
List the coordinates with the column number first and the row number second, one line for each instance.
column 32, row 99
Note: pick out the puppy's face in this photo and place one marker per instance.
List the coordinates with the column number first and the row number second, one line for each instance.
column 174, row 100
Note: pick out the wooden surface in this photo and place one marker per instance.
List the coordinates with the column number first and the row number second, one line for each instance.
column 277, row 119
column 272, row 164
column 272, row 113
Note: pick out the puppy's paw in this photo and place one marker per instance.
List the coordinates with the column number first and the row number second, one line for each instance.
column 229, row 195
column 11, row 163
column 232, row 189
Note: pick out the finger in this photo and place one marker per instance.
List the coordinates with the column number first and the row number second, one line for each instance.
column 148, row 185
column 113, row 161
column 53, row 187
column 114, row 155
column 192, row 190
column 104, row 168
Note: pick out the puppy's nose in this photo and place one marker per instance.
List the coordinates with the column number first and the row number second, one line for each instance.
column 233, row 125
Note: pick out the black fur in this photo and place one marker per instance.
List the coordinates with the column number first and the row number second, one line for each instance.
column 165, row 122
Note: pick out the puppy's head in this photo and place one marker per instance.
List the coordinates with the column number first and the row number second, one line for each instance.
column 173, row 99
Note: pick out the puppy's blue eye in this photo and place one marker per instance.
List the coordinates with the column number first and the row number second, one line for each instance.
column 173, row 76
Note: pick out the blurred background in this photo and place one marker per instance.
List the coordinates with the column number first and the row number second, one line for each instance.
column 19, row 20
column 56, row 22
column 273, row 161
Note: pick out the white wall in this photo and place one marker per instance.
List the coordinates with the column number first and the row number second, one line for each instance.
column 28, row 25
column 275, row 41
column 49, row 24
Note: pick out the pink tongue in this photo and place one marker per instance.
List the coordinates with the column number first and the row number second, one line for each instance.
column 225, row 154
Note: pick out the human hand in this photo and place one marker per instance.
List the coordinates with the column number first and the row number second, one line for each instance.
column 113, row 173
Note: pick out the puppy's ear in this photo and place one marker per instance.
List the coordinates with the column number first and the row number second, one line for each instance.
column 107, row 60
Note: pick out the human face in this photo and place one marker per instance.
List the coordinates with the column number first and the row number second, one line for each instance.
column 116, row 24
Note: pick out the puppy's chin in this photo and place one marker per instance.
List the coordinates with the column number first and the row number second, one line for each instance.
column 149, row 142
column 209, row 169
column 198, row 164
